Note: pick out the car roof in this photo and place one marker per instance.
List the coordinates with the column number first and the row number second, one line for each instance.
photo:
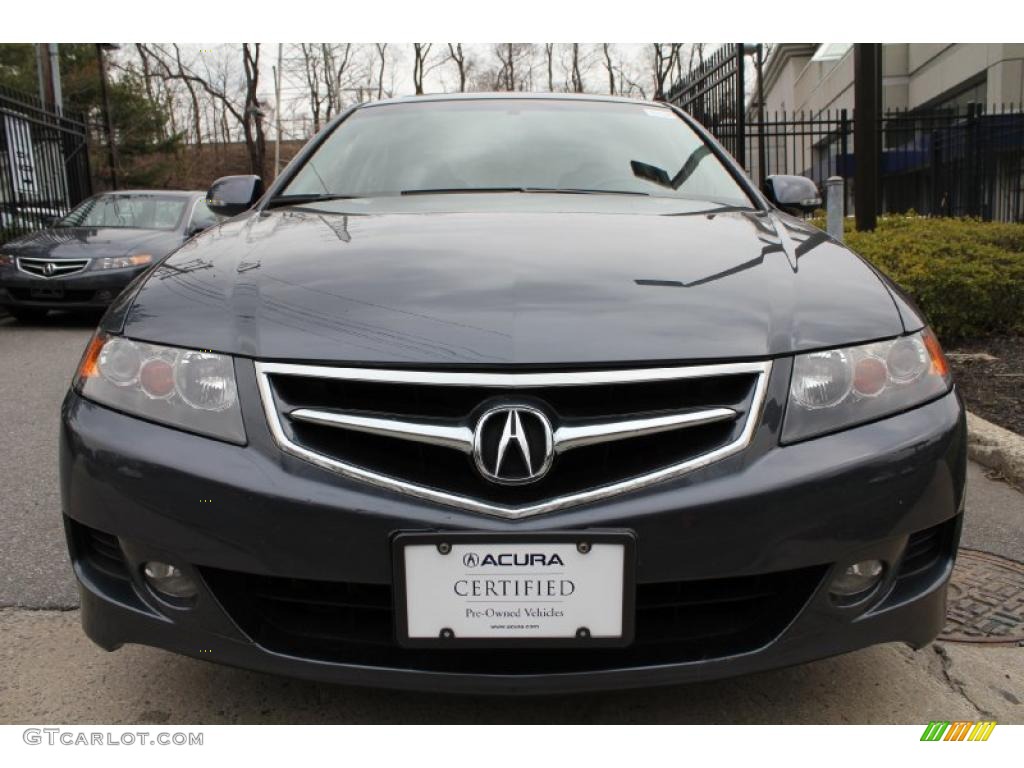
column 499, row 95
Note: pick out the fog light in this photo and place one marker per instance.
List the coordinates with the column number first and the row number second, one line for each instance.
column 169, row 580
column 857, row 579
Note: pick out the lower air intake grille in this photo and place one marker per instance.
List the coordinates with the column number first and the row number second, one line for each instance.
column 926, row 548
column 101, row 551
column 354, row 623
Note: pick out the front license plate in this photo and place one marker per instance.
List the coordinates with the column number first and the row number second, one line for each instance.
column 475, row 589
column 46, row 293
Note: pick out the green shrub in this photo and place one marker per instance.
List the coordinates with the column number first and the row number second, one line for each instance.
column 966, row 275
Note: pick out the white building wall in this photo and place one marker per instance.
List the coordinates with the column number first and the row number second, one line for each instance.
column 913, row 75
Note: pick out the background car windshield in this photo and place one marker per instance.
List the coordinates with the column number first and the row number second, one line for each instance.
column 129, row 211
column 493, row 144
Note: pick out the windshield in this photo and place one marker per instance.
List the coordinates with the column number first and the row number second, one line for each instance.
column 515, row 145
column 128, row 211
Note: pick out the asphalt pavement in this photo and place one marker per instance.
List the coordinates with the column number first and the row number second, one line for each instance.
column 52, row 673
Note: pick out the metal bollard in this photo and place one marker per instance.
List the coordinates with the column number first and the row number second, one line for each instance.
column 834, row 207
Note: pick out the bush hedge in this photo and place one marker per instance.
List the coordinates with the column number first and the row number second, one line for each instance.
column 967, row 275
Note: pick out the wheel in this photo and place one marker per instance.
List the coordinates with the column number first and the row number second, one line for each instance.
column 27, row 314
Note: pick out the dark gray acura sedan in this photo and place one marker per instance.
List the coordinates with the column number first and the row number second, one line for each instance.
column 85, row 259
column 512, row 394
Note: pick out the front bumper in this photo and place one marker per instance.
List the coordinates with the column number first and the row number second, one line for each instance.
column 225, row 512
column 83, row 290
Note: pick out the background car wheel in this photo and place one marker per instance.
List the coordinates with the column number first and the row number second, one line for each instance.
column 27, row 314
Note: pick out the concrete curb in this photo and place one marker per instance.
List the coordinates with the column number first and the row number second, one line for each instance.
column 996, row 448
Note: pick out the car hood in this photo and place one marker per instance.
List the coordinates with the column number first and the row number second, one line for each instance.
column 575, row 287
column 93, row 242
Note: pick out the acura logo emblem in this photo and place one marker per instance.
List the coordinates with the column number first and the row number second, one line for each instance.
column 513, row 445
column 49, row 268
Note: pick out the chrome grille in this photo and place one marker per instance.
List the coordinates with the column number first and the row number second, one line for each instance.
column 612, row 431
column 51, row 267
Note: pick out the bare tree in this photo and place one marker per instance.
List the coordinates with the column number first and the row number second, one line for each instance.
column 337, row 59
column 456, row 54
column 665, row 59
column 505, row 81
column 192, row 96
column 609, row 67
column 160, row 90
column 311, row 71
column 575, row 75
column 515, row 66
column 631, row 82
column 252, row 122
column 420, row 67
column 549, row 56
column 382, row 50
column 696, row 51
column 244, row 108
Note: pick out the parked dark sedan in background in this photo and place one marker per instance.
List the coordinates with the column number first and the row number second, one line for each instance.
column 88, row 257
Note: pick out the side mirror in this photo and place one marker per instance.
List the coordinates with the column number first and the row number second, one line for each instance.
column 230, row 195
column 793, row 194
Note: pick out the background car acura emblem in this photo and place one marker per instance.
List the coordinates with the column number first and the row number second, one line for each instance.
column 513, row 445
column 49, row 268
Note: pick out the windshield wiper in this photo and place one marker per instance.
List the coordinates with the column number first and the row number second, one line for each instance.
column 522, row 190
column 461, row 190
column 582, row 191
column 282, row 200
column 660, row 176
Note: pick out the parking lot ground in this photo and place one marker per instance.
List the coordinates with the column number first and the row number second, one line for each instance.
column 50, row 672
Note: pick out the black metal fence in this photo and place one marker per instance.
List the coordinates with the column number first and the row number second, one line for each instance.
column 44, row 163
column 713, row 93
column 952, row 162
column 967, row 163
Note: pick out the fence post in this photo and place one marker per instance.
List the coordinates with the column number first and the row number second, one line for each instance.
column 761, row 151
column 741, row 139
column 844, row 149
column 834, row 206
column 867, row 127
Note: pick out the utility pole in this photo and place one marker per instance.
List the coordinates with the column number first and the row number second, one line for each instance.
column 105, row 93
column 867, row 117
column 277, row 110
column 55, row 89
column 49, row 79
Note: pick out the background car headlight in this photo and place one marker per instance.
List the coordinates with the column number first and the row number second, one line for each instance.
column 124, row 262
column 190, row 389
column 6, row 260
column 839, row 388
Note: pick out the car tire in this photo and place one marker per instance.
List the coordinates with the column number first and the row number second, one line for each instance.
column 27, row 314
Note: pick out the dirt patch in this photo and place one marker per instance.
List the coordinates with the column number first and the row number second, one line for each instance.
column 990, row 374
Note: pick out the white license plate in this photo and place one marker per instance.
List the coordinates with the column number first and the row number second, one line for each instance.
column 573, row 588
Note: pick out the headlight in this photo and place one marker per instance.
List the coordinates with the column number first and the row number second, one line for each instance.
column 123, row 262
column 189, row 389
column 839, row 388
column 6, row 260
